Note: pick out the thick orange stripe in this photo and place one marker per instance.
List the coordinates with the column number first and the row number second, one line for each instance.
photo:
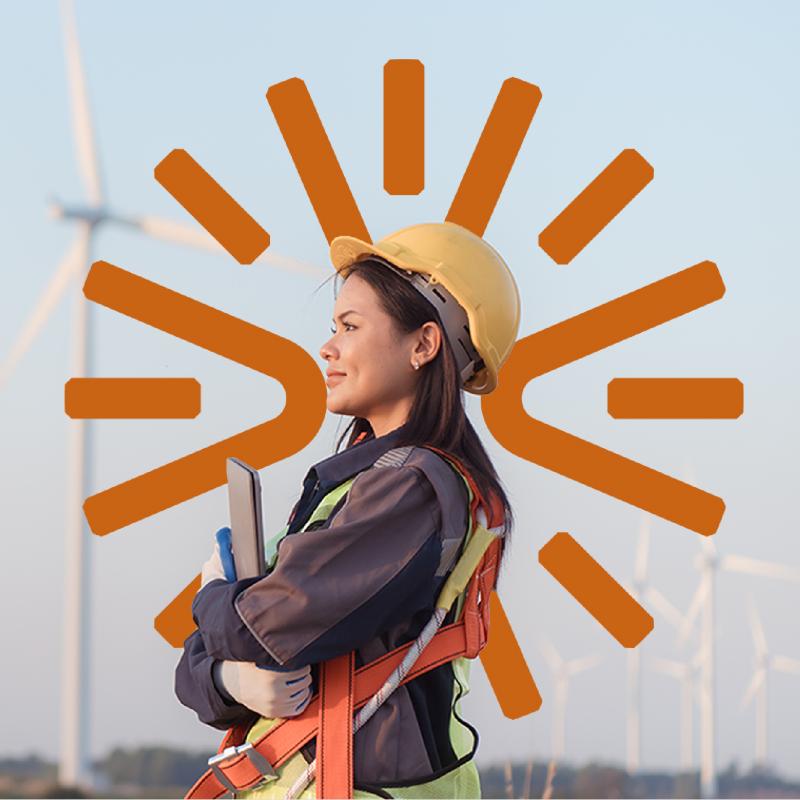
column 176, row 623
column 315, row 160
column 234, row 339
column 212, row 206
column 403, row 126
column 132, row 398
column 494, row 155
column 505, row 666
column 595, row 590
column 622, row 318
column 595, row 206
column 675, row 398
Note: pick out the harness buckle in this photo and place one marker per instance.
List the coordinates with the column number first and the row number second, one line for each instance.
column 262, row 764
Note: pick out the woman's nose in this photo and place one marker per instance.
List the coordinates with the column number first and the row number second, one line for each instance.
column 326, row 351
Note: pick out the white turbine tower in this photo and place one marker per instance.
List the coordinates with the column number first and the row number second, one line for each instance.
column 74, row 747
column 562, row 672
column 639, row 591
column 759, row 683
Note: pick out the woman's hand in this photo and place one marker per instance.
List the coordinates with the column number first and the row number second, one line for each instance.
column 270, row 693
column 212, row 569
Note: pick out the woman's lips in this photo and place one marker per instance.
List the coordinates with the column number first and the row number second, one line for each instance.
column 335, row 378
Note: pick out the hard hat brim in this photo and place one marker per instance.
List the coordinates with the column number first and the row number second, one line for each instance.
column 346, row 250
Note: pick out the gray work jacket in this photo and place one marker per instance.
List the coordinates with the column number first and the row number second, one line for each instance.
column 365, row 579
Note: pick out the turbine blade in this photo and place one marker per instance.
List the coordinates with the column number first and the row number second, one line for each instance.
column 577, row 665
column 669, row 667
column 694, row 609
column 664, row 607
column 755, row 683
column 177, row 233
column 169, row 231
column 554, row 660
column 81, row 118
column 640, row 571
column 47, row 302
column 753, row 566
column 756, row 628
column 784, row 664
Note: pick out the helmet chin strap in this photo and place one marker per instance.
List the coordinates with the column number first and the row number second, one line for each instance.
column 451, row 315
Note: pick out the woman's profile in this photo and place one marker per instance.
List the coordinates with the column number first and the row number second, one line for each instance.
column 422, row 316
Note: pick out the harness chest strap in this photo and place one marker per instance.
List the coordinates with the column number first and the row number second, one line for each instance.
column 344, row 689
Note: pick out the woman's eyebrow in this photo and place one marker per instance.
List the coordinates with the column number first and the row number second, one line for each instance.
column 345, row 313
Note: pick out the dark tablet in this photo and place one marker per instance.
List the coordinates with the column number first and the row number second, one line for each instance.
column 247, row 530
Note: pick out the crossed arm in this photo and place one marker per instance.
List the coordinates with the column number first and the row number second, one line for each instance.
column 332, row 590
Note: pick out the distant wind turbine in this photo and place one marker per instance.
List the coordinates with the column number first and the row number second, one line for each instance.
column 71, row 271
column 708, row 562
column 562, row 672
column 764, row 662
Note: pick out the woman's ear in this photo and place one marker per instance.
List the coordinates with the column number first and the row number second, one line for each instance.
column 431, row 341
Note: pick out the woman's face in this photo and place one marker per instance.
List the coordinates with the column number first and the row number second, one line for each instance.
column 378, row 380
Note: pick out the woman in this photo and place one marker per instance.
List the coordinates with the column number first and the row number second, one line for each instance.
column 428, row 312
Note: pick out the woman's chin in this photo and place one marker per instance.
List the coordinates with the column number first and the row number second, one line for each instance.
column 338, row 405
column 335, row 404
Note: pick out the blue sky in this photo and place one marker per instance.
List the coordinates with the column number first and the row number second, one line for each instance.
column 705, row 92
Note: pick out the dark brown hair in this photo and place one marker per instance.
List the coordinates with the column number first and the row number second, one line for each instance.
column 437, row 415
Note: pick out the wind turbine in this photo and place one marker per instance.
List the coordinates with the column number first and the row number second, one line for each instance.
column 759, row 683
column 73, row 764
column 562, row 672
column 709, row 562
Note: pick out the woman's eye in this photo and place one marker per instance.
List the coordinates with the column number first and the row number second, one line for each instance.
column 346, row 324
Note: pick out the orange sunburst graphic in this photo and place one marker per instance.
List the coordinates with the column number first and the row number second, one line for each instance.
column 541, row 352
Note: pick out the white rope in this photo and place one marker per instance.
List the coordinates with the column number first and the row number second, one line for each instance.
column 375, row 702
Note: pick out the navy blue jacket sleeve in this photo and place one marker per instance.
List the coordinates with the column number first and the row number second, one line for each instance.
column 195, row 688
column 334, row 588
column 224, row 634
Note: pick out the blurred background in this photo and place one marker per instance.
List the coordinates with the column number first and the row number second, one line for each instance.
column 705, row 92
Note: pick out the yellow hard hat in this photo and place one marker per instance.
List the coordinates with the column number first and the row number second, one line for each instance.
column 471, row 271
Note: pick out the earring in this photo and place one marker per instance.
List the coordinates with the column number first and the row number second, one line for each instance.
column 416, row 365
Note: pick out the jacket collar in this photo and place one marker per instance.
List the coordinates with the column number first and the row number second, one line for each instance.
column 336, row 469
column 339, row 467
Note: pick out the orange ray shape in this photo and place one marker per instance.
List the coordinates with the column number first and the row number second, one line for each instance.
column 505, row 666
column 315, row 160
column 175, row 622
column 621, row 318
column 494, row 155
column 595, row 590
column 233, row 338
column 403, row 126
column 211, row 206
column 132, row 398
column 675, row 398
column 595, row 206
column 574, row 457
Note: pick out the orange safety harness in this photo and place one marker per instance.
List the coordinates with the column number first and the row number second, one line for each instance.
column 240, row 766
